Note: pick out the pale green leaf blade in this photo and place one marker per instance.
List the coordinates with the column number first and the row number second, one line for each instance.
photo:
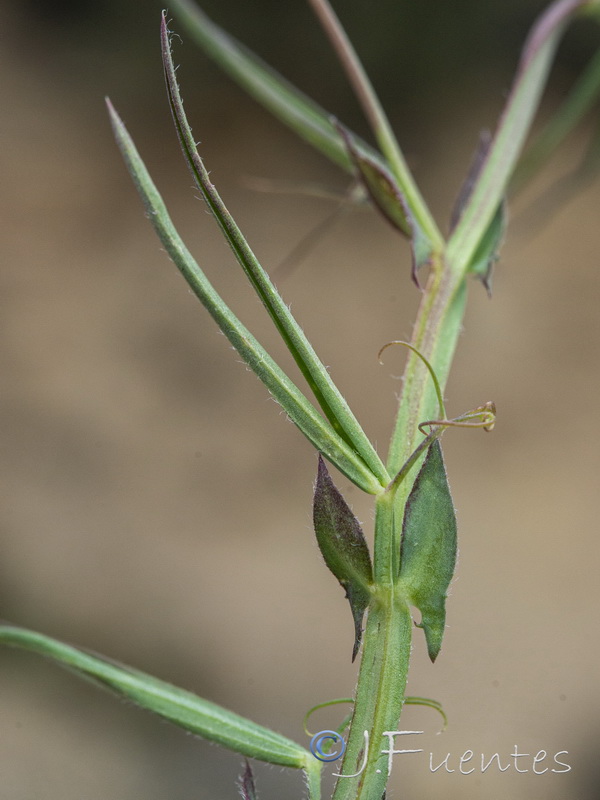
column 506, row 146
column 329, row 397
column 285, row 392
column 181, row 707
column 428, row 548
column 284, row 101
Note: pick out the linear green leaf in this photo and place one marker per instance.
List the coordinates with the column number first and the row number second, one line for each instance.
column 281, row 98
column 514, row 125
column 331, row 401
column 298, row 408
column 183, row 708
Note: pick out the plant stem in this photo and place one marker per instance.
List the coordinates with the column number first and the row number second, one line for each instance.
column 387, row 641
column 383, row 671
column 435, row 335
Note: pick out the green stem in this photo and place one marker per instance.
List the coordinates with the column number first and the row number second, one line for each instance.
column 383, row 672
column 435, row 335
column 384, row 666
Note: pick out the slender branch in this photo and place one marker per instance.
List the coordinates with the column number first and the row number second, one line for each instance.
column 376, row 117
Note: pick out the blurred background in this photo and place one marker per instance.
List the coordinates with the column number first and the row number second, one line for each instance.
column 157, row 505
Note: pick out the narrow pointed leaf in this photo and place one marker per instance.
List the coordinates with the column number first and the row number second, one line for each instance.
column 343, row 546
column 428, row 548
column 331, row 401
column 246, row 783
column 283, row 100
column 286, row 393
column 523, row 100
column 183, row 708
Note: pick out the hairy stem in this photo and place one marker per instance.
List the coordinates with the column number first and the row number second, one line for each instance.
column 435, row 335
column 383, row 673
column 387, row 641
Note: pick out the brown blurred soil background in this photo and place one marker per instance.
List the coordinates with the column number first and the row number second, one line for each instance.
column 156, row 503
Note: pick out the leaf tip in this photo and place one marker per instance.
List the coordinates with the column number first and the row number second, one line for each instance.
column 486, row 280
column 414, row 273
column 433, row 628
column 115, row 120
column 246, row 784
column 164, row 33
column 110, row 108
column 434, row 643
